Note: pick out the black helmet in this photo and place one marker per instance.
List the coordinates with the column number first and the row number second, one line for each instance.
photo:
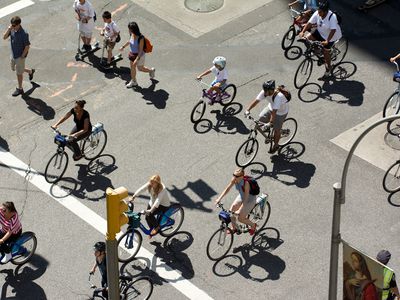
column 269, row 85
column 383, row 256
column 323, row 5
column 100, row 246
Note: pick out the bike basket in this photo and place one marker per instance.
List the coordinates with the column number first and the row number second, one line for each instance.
column 396, row 76
column 97, row 127
column 224, row 217
column 134, row 219
column 60, row 140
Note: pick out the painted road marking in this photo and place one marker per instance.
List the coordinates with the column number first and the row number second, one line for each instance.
column 9, row 9
column 75, row 206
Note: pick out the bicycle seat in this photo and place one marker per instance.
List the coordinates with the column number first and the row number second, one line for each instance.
column 125, row 277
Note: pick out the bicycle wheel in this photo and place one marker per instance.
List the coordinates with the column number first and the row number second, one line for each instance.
column 139, row 289
column 198, row 111
column 128, row 245
column 260, row 215
column 24, row 248
column 340, row 50
column 94, row 145
column 172, row 220
column 391, row 180
column 393, row 127
column 303, row 73
column 392, row 105
column 56, row 167
column 246, row 152
column 288, row 131
column 288, row 38
column 220, row 243
column 228, row 94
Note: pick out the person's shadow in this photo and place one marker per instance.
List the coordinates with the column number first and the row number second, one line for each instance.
column 38, row 106
column 158, row 98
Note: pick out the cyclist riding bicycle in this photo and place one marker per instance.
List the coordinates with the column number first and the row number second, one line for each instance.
column 158, row 204
column 243, row 203
column 309, row 7
column 101, row 263
column 82, row 128
column 220, row 73
column 328, row 32
column 276, row 111
column 10, row 229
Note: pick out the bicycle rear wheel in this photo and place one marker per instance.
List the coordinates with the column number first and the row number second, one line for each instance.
column 24, row 248
column 288, row 38
column 288, row 131
column 303, row 73
column 391, row 180
column 340, row 50
column 172, row 220
column 260, row 215
column 228, row 94
column 220, row 243
column 246, row 152
column 56, row 167
column 128, row 245
column 198, row 111
column 139, row 289
column 94, row 145
column 392, row 105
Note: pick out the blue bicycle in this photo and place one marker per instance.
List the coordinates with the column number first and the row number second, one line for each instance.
column 23, row 248
column 129, row 243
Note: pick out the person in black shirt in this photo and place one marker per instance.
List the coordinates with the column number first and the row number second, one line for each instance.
column 82, row 128
column 101, row 263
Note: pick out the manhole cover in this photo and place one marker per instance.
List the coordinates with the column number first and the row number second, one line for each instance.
column 204, row 5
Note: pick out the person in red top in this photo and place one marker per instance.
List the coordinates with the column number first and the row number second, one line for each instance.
column 10, row 229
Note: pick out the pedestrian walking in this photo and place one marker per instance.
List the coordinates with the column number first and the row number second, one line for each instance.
column 19, row 40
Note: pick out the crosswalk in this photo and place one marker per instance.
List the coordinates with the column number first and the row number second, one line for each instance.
column 14, row 7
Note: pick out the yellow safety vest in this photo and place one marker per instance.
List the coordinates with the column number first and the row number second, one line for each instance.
column 387, row 277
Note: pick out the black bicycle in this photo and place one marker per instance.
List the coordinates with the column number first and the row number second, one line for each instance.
column 248, row 150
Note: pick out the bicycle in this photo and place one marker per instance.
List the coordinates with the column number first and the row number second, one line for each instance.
column 131, row 240
column 140, row 288
column 221, row 240
column 23, row 248
column 391, row 179
column 293, row 31
column 315, row 53
column 392, row 105
column 91, row 148
column 225, row 97
column 248, row 150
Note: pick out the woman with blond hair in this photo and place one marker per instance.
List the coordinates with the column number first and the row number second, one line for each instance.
column 159, row 201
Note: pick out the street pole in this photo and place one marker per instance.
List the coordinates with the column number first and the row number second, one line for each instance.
column 112, row 268
column 339, row 199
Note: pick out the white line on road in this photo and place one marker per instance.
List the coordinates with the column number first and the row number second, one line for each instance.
column 9, row 9
column 74, row 205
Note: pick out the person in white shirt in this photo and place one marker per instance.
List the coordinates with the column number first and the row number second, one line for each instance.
column 85, row 16
column 276, row 111
column 158, row 204
column 110, row 33
column 328, row 31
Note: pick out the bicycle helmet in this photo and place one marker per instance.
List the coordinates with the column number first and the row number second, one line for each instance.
column 100, row 246
column 269, row 85
column 323, row 5
column 220, row 61
column 383, row 256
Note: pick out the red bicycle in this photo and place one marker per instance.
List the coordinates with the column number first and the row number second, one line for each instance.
column 294, row 29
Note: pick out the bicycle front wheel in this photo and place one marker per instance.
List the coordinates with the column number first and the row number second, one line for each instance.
column 288, row 38
column 172, row 220
column 392, row 105
column 56, row 167
column 288, row 131
column 246, row 152
column 139, row 289
column 94, row 145
column 228, row 94
column 22, row 253
column 128, row 245
column 391, row 180
column 198, row 112
column 303, row 73
column 220, row 243
column 260, row 215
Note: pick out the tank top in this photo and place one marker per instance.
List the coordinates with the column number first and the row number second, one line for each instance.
column 134, row 45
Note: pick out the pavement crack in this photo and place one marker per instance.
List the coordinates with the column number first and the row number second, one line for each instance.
column 251, row 80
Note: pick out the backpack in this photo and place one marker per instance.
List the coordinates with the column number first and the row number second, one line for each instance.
column 338, row 17
column 147, row 47
column 254, row 187
column 284, row 91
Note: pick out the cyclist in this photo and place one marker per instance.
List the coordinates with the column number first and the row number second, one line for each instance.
column 158, row 204
column 82, row 128
column 243, row 203
column 220, row 73
column 390, row 290
column 10, row 229
column 101, row 263
column 309, row 7
column 276, row 111
column 394, row 58
column 328, row 31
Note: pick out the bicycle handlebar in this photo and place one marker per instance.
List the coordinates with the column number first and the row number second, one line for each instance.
column 397, row 65
column 221, row 206
column 55, row 130
column 202, row 82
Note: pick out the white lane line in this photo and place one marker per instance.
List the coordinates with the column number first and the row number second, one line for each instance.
column 9, row 9
column 75, row 206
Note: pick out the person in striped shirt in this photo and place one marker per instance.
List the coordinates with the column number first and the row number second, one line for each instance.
column 10, row 229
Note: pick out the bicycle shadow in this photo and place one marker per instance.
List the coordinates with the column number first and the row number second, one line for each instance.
column 38, row 106
column 158, row 98
column 256, row 170
column 226, row 122
column 21, row 281
column 256, row 254
column 394, row 199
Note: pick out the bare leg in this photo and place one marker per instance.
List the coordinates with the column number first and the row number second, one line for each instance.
column 109, row 57
column 327, row 56
column 277, row 137
column 243, row 219
column 144, row 69
column 234, row 207
column 133, row 71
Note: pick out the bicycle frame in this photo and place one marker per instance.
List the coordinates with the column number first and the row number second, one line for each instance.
column 257, row 128
column 214, row 96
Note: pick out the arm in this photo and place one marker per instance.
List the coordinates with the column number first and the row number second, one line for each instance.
column 227, row 189
column 206, row 72
column 67, row 115
column 124, row 46
column 305, row 28
column 394, row 58
column 293, row 3
column 84, row 130
column 93, row 268
column 7, row 33
column 252, row 104
column 140, row 53
column 5, row 237
column 331, row 34
column 25, row 53
column 273, row 116
column 139, row 191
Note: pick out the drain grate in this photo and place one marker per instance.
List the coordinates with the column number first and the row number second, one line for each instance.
column 203, row 6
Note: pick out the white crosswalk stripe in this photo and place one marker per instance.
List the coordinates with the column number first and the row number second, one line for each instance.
column 9, row 9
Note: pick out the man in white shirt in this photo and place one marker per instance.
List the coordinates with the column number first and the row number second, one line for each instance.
column 84, row 14
column 276, row 111
column 328, row 31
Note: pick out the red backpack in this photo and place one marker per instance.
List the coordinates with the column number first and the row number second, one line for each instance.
column 254, row 187
column 147, row 47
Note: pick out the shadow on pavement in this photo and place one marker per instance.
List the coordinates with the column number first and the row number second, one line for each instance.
column 38, row 106
column 256, row 170
column 4, row 145
column 394, row 199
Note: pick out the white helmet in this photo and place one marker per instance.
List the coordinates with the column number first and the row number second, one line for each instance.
column 220, row 61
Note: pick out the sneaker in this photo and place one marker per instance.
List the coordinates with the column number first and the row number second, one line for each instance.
column 152, row 73
column 327, row 73
column 31, row 75
column 17, row 92
column 131, row 83
column 155, row 231
column 252, row 230
column 87, row 47
column 6, row 258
